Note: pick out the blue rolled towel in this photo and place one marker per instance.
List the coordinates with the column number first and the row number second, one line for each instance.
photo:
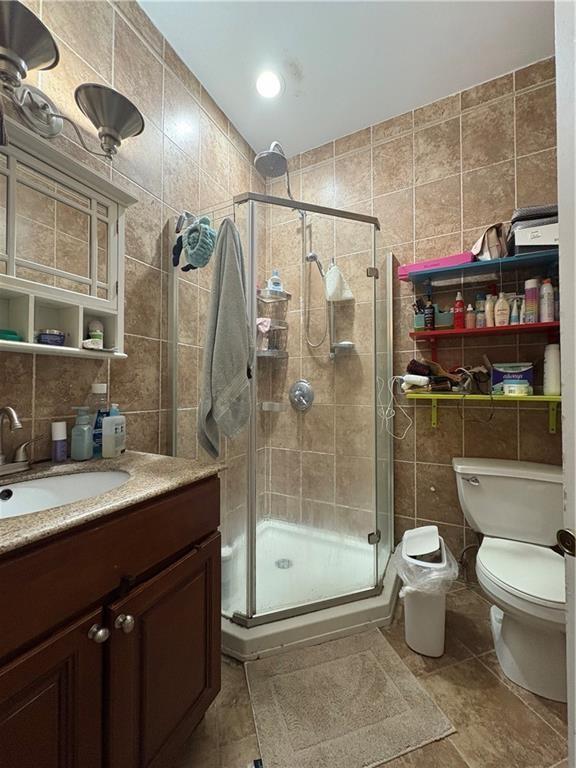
column 198, row 242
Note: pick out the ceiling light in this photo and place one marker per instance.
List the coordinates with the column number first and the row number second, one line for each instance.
column 268, row 85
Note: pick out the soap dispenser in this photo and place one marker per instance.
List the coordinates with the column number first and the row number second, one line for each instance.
column 81, row 448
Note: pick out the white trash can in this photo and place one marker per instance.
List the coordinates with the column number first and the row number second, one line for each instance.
column 427, row 569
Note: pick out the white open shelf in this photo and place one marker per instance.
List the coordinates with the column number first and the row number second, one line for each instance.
column 26, row 313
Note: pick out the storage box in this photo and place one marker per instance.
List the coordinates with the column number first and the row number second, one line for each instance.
column 442, row 320
column 505, row 372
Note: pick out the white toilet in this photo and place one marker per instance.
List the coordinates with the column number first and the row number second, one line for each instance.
column 517, row 507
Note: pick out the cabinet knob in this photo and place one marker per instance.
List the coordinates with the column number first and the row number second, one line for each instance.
column 98, row 634
column 125, row 622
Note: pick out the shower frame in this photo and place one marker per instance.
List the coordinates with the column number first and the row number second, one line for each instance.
column 252, row 618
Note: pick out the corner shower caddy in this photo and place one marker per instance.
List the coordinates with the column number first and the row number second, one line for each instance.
column 545, row 259
column 29, row 164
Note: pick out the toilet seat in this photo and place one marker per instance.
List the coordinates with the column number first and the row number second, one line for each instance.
column 525, row 577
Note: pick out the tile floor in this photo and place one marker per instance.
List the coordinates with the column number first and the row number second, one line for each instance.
column 499, row 725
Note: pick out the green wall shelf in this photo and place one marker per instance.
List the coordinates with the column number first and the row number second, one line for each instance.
column 434, row 398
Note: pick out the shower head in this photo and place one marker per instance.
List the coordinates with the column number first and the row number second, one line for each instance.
column 272, row 162
column 314, row 257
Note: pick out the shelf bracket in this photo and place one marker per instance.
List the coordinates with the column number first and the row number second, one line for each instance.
column 434, row 414
column 552, row 418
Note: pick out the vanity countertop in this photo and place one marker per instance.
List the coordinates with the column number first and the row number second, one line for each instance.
column 150, row 475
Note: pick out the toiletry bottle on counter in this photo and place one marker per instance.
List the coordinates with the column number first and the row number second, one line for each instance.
column 59, row 442
column 532, row 295
column 459, row 312
column 99, row 409
column 489, row 311
column 547, row 301
column 470, row 317
column 429, row 316
column 502, row 311
column 274, row 282
column 113, row 433
column 81, row 447
column 515, row 313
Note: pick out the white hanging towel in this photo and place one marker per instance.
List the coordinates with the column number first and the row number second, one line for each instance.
column 335, row 286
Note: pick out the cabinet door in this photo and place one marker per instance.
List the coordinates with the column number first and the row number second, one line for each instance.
column 50, row 703
column 164, row 660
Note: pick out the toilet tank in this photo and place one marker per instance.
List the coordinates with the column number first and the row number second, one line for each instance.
column 518, row 500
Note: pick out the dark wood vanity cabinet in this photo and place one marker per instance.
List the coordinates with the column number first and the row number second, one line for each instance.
column 128, row 659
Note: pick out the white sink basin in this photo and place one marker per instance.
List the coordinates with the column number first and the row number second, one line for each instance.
column 47, row 492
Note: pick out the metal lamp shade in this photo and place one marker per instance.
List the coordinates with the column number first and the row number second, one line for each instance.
column 25, row 43
column 109, row 110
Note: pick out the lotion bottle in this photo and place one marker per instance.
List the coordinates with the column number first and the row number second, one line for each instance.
column 502, row 311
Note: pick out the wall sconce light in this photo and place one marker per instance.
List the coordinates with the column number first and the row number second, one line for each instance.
column 26, row 44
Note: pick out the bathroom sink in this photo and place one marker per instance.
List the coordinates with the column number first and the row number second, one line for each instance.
column 47, row 492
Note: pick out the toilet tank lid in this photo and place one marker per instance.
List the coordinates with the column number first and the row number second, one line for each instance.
column 525, row 470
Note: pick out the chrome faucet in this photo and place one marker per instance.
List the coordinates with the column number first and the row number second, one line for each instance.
column 20, row 461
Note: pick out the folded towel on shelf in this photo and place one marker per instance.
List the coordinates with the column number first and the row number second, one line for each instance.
column 335, row 286
column 228, row 350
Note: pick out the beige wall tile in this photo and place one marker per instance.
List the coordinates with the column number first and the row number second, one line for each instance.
column 181, row 179
column 438, row 207
column 63, row 382
column 141, row 160
column 142, row 299
column 536, row 120
column 318, row 476
column 353, row 141
column 175, row 63
column 318, row 184
column 535, row 441
column 181, row 117
column 534, row 74
column 392, row 165
column 16, row 382
column 437, row 151
column 354, row 430
column 436, row 494
column 143, row 224
column 437, row 246
column 318, row 429
column 134, row 13
column 404, row 489
column 395, row 212
column 537, row 178
column 214, row 149
column 488, row 134
column 317, row 155
column 437, row 110
column 142, row 432
column 214, row 111
column 393, row 127
column 89, row 32
column 488, row 195
column 355, row 482
column 137, row 72
column 492, row 89
column 352, row 178
column 353, row 379
column 144, row 368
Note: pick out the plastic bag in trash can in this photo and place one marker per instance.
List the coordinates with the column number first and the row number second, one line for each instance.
column 417, row 577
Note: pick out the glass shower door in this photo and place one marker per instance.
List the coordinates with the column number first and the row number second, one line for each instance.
column 314, row 533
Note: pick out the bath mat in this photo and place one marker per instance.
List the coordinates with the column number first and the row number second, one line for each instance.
column 348, row 703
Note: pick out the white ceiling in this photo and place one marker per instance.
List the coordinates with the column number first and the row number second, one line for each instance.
column 346, row 65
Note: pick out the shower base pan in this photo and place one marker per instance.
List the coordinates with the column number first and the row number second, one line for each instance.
column 297, row 564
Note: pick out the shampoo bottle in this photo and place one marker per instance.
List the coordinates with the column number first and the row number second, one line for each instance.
column 489, row 309
column 429, row 316
column 459, row 311
column 470, row 317
column 274, row 282
column 502, row 311
column 99, row 409
column 546, row 301
column 113, row 433
column 81, row 447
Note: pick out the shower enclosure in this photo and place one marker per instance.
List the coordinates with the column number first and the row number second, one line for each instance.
column 307, row 511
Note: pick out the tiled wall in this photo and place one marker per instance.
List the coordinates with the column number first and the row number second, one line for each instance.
column 436, row 177
column 189, row 157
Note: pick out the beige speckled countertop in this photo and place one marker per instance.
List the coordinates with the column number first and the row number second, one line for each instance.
column 150, row 475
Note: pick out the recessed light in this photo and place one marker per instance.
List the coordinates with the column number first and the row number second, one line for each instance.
column 268, row 85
